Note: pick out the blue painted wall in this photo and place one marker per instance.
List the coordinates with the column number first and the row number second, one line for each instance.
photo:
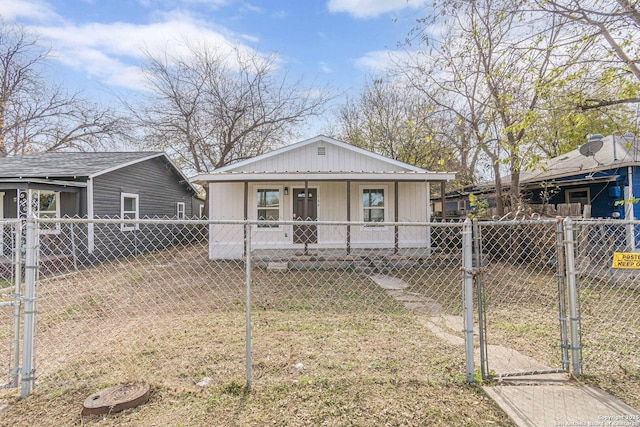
column 603, row 194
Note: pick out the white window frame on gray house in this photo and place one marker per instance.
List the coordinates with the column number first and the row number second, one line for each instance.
column 129, row 213
column 48, row 213
column 181, row 210
column 278, row 208
column 363, row 208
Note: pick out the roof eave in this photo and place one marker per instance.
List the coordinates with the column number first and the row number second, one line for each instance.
column 323, row 176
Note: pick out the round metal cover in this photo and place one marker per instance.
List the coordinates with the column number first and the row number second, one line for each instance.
column 116, row 399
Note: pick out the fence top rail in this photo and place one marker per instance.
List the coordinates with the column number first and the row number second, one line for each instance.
column 513, row 222
column 175, row 221
column 605, row 221
column 9, row 221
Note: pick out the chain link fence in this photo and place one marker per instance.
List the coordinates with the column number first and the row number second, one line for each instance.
column 164, row 301
column 609, row 299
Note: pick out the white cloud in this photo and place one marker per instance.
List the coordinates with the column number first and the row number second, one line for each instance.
column 39, row 11
column 324, row 67
column 375, row 61
column 363, row 9
column 379, row 61
column 111, row 52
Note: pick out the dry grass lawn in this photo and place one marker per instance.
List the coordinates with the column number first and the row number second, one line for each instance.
column 329, row 348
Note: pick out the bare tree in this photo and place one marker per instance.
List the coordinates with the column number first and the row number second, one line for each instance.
column 36, row 115
column 397, row 121
column 208, row 108
column 490, row 69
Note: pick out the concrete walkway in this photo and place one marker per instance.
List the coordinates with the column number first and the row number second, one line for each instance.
column 550, row 400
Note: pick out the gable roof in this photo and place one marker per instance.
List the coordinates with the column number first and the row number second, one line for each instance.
column 72, row 165
column 320, row 158
column 316, row 139
column 63, row 164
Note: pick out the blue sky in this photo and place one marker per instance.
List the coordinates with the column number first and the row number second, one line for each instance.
column 96, row 44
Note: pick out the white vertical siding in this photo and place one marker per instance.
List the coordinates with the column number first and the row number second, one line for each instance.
column 412, row 208
column 307, row 159
column 332, row 201
column 226, row 202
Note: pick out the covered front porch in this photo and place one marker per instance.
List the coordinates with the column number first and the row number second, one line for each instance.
column 325, row 213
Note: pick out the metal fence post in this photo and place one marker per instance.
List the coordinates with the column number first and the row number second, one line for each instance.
column 572, row 291
column 482, row 321
column 248, row 304
column 562, row 290
column 467, row 280
column 28, row 337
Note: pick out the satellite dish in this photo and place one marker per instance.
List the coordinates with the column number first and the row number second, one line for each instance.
column 592, row 146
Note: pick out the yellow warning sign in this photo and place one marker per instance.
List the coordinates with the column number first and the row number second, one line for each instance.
column 626, row 260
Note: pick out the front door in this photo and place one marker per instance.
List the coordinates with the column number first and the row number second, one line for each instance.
column 305, row 233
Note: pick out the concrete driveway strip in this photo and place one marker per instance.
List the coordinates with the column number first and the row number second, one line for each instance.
column 562, row 406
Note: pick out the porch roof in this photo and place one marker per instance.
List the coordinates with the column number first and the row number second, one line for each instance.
column 60, row 183
column 420, row 176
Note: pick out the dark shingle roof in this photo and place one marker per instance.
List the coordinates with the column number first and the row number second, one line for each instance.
column 61, row 164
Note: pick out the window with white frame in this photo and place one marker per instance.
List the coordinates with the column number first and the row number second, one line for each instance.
column 129, row 209
column 373, row 205
column 180, row 210
column 268, row 205
column 48, row 207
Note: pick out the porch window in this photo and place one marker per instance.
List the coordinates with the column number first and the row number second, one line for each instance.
column 373, row 205
column 180, row 210
column 49, row 207
column 268, row 206
column 129, row 209
column 578, row 195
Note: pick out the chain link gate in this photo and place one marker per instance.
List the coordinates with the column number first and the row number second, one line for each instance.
column 521, row 297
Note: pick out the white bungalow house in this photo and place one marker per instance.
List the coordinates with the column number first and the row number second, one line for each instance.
column 320, row 179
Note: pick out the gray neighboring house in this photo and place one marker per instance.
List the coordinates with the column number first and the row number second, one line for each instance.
column 96, row 185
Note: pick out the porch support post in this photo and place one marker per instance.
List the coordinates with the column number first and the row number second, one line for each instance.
column 349, row 217
column 395, row 217
column 246, row 214
column 442, row 200
column 305, row 211
column 305, row 208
